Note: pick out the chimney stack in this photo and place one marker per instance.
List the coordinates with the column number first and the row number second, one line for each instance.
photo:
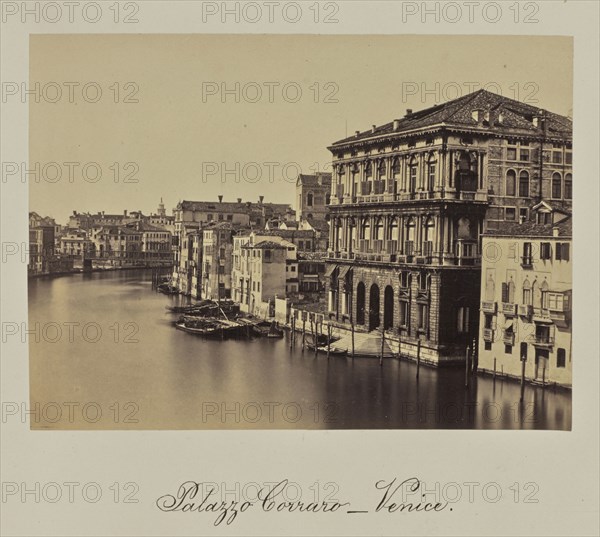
column 373, row 127
column 125, row 212
column 260, row 199
column 396, row 124
column 220, row 198
column 356, row 133
column 408, row 112
column 239, row 200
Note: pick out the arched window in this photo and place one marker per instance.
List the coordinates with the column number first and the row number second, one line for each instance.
column 556, row 186
column 490, row 287
column 381, row 168
column 431, row 169
column 412, row 175
column 309, row 199
column 393, row 230
column 511, row 183
column 396, row 167
column 379, row 229
column 511, row 292
column 524, row 184
column 365, row 229
column 544, row 294
column 568, row 186
column 527, row 292
column 368, row 170
column 409, row 244
column 536, row 294
column 428, row 235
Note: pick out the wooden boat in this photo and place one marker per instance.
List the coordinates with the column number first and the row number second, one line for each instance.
column 167, row 289
column 209, row 327
column 267, row 329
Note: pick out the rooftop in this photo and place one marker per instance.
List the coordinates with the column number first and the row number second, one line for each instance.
column 531, row 229
column 505, row 115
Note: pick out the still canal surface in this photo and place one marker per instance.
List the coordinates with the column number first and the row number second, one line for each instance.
column 105, row 355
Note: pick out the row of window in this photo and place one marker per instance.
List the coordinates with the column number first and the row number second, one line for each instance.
column 561, row 188
column 561, row 252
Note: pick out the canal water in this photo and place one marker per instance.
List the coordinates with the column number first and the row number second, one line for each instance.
column 104, row 355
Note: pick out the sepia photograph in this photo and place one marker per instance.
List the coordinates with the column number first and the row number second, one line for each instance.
column 299, row 268
column 300, row 232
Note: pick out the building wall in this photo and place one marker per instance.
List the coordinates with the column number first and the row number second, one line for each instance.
column 529, row 312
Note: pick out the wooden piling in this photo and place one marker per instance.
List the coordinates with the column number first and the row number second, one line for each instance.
column 467, row 368
column 494, row 368
column 544, row 377
column 418, row 356
column 328, row 339
column 303, row 332
column 523, row 362
column 382, row 346
column 352, row 328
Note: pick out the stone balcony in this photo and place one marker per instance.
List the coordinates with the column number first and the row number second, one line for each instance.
column 480, row 196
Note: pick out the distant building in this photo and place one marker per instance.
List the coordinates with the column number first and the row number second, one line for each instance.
column 313, row 194
column 526, row 302
column 88, row 221
column 117, row 245
column 156, row 245
column 76, row 243
column 42, row 248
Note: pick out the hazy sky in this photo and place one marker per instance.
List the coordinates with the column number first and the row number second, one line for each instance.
column 183, row 138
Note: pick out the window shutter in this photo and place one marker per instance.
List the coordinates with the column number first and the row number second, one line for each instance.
column 558, row 252
column 504, row 292
column 565, row 251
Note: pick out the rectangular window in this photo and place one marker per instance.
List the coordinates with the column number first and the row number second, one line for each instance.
column 511, row 153
column 488, row 321
column 510, row 213
column 524, row 154
column 527, row 296
column 568, row 157
column 508, row 349
column 462, row 320
column 527, row 255
column 404, row 313
column 556, row 157
column 422, row 317
column 487, row 345
column 562, row 251
column 523, row 214
column 561, row 359
column 220, row 217
column 545, row 250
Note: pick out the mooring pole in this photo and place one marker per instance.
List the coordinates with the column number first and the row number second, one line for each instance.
column 418, row 356
column 328, row 339
column 494, row 368
column 303, row 332
column 467, row 368
column 523, row 362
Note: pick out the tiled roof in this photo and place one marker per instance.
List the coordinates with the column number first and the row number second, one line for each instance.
column 517, row 118
column 313, row 180
column 319, row 225
column 287, row 233
column 264, row 245
column 531, row 229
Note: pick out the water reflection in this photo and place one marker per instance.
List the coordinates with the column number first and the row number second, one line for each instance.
column 124, row 358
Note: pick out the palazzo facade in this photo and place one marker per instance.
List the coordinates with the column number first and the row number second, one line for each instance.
column 409, row 203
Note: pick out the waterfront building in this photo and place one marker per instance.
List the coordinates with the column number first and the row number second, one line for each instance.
column 264, row 267
column 161, row 219
column 409, row 202
column 217, row 247
column 156, row 245
column 117, row 245
column 526, row 302
column 75, row 243
column 42, row 243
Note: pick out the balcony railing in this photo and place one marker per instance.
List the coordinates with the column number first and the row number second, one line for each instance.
column 509, row 308
column 526, row 261
column 489, row 307
column 488, row 335
column 542, row 340
column 508, row 337
column 525, row 310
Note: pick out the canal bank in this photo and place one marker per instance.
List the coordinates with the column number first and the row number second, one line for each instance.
column 132, row 355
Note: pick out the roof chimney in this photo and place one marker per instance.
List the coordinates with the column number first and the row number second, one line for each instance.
column 239, row 200
column 555, row 231
column 396, row 124
column 125, row 212
column 356, row 133
column 373, row 127
column 220, row 198
column 260, row 199
column 408, row 112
